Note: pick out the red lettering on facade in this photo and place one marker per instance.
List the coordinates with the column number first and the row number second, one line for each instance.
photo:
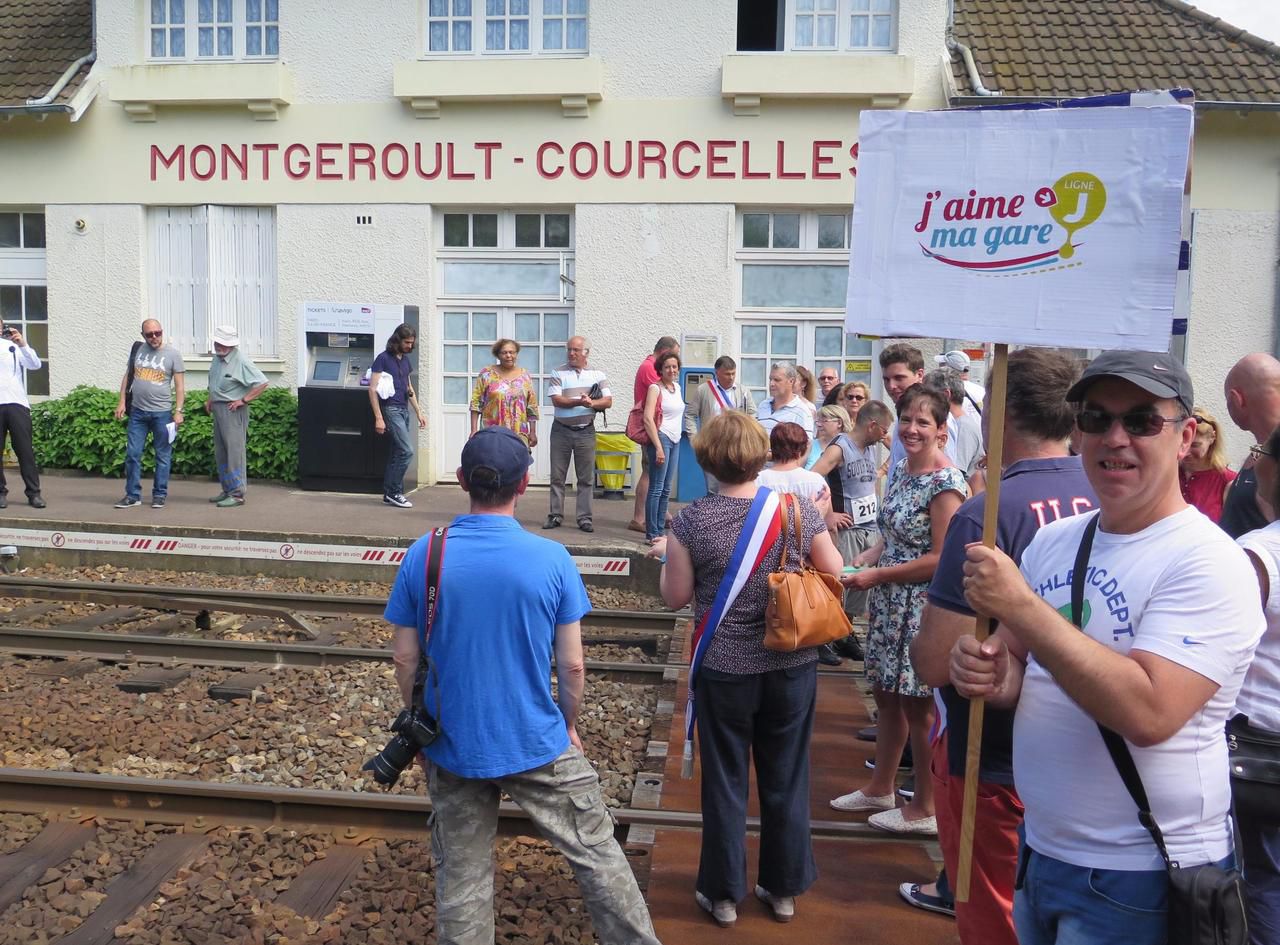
column 653, row 152
column 543, row 170
column 266, row 150
column 608, row 164
column 783, row 173
column 361, row 155
column 488, row 147
column 403, row 152
column 589, row 149
column 203, row 150
column 821, row 160
column 239, row 159
column 454, row 173
column 853, row 156
column 717, row 160
column 677, row 151
column 303, row 167
column 178, row 157
column 417, row 161
column 747, row 172
column 324, row 161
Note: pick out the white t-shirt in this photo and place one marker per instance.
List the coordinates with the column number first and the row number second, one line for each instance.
column 801, row 482
column 1172, row 589
column 672, row 425
column 1260, row 695
column 973, row 392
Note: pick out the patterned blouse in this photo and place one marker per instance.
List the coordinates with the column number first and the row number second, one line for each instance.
column 508, row 402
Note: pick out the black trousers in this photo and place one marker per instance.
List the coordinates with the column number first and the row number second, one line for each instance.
column 768, row 716
column 15, row 422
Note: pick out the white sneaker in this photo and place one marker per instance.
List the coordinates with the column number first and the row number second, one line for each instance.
column 859, row 801
column 784, row 907
column 398, row 500
column 724, row 911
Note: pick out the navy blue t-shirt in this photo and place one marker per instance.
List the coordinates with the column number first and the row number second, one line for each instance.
column 502, row 593
column 399, row 369
column 1033, row 493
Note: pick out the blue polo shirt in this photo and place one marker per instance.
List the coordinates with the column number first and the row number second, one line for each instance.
column 1033, row 493
column 502, row 593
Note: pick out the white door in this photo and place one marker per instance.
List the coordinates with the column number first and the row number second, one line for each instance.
column 468, row 337
column 814, row 344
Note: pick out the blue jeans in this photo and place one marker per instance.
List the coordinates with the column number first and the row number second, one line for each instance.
column 660, row 479
column 1057, row 903
column 142, row 422
column 1260, row 856
column 401, row 433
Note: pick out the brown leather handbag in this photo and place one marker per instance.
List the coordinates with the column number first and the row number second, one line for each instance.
column 804, row 606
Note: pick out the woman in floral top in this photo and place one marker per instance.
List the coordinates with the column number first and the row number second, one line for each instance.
column 922, row 498
column 505, row 395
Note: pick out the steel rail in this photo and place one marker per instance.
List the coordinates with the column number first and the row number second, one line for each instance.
column 236, row 600
column 353, row 815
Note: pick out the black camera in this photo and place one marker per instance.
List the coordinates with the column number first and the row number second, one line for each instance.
column 415, row 729
column 9, row 331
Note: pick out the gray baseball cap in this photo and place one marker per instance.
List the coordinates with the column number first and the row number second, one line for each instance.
column 1157, row 373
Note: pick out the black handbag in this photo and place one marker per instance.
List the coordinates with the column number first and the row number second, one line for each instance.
column 1254, row 754
column 1206, row 902
column 128, row 381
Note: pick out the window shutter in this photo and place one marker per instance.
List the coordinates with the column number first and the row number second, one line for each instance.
column 179, row 275
column 242, row 282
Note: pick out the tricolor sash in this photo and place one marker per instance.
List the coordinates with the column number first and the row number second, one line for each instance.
column 759, row 532
column 721, row 395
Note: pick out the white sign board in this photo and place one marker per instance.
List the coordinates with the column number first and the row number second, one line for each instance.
column 1056, row 227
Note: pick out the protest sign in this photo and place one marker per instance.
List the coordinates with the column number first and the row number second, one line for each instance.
column 1056, row 226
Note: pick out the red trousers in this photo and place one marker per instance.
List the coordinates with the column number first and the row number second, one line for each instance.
column 987, row 918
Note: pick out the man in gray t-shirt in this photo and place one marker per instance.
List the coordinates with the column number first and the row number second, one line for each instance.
column 154, row 377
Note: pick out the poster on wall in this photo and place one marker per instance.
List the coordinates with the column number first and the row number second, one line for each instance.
column 1050, row 226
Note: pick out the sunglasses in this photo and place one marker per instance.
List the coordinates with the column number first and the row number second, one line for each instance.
column 1135, row 422
column 1258, row 451
column 152, row 334
column 855, row 397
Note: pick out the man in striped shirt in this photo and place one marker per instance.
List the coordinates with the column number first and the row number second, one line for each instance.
column 573, row 431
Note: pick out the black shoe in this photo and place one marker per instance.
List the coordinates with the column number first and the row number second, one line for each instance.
column 908, row 789
column 828, row 656
column 36, row 502
column 868, row 734
column 553, row 521
column 586, row 526
column 849, row 647
column 4, row 501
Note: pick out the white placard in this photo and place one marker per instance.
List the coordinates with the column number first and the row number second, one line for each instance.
column 1058, row 226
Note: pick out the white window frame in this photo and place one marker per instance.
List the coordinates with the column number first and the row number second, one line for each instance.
column 847, row 12
column 806, row 254
column 239, row 25
column 219, row 292
column 507, row 252
column 478, row 19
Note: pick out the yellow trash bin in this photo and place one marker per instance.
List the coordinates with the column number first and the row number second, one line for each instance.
column 613, row 464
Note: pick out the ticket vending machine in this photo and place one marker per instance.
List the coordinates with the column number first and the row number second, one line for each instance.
column 338, row 448
column 690, row 482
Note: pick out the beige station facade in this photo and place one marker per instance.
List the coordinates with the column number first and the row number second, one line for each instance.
column 655, row 179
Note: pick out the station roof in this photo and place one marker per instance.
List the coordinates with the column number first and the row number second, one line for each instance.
column 39, row 40
column 1065, row 48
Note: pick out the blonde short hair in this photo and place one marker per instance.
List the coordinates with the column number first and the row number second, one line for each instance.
column 1217, row 455
column 840, row 414
column 732, row 447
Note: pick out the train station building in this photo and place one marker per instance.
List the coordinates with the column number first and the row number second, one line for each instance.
column 536, row 169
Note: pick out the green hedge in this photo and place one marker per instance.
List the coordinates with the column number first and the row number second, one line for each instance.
column 80, row 431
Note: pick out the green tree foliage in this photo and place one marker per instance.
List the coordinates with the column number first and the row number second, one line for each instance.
column 80, row 431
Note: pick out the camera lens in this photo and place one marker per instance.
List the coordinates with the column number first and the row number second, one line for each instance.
column 388, row 764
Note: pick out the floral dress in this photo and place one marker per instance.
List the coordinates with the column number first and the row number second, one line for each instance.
column 895, row 608
column 510, row 402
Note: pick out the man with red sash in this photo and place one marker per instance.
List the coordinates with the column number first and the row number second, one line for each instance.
column 712, row 398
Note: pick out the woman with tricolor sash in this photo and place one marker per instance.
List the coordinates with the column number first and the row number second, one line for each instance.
column 746, row 703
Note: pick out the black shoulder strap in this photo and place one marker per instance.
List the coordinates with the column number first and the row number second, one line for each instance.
column 1119, row 751
column 976, row 406
column 430, row 600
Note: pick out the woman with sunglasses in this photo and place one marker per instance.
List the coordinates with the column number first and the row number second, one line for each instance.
column 1203, row 471
column 923, row 495
column 852, row 396
column 1258, row 708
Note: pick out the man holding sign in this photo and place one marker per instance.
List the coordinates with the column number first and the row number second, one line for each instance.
column 1159, row 656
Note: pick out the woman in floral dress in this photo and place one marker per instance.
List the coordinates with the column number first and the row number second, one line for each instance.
column 505, row 395
column 913, row 522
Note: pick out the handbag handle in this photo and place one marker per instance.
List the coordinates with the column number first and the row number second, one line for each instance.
column 794, row 519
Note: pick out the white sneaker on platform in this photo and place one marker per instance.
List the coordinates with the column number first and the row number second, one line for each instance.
column 859, row 801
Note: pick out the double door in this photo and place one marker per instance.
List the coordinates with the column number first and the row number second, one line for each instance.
column 467, row 338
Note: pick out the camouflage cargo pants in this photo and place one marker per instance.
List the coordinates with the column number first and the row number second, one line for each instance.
column 564, row 800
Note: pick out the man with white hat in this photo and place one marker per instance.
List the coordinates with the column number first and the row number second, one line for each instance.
column 959, row 362
column 234, row 382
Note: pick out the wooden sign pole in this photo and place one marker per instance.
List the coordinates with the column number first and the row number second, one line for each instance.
column 993, row 409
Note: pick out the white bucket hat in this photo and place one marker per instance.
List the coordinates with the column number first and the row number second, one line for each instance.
column 226, row 335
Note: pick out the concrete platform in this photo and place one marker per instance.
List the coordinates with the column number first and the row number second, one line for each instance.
column 284, row 517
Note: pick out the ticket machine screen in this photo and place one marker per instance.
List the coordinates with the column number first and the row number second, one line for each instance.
column 326, row 371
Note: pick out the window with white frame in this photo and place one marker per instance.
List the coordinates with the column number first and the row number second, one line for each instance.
column 818, row 25
column 213, row 266
column 24, row 295
column 507, row 254
column 214, row 29
column 505, row 27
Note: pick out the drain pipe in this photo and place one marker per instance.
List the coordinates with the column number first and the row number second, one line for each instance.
column 48, row 97
column 966, row 54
